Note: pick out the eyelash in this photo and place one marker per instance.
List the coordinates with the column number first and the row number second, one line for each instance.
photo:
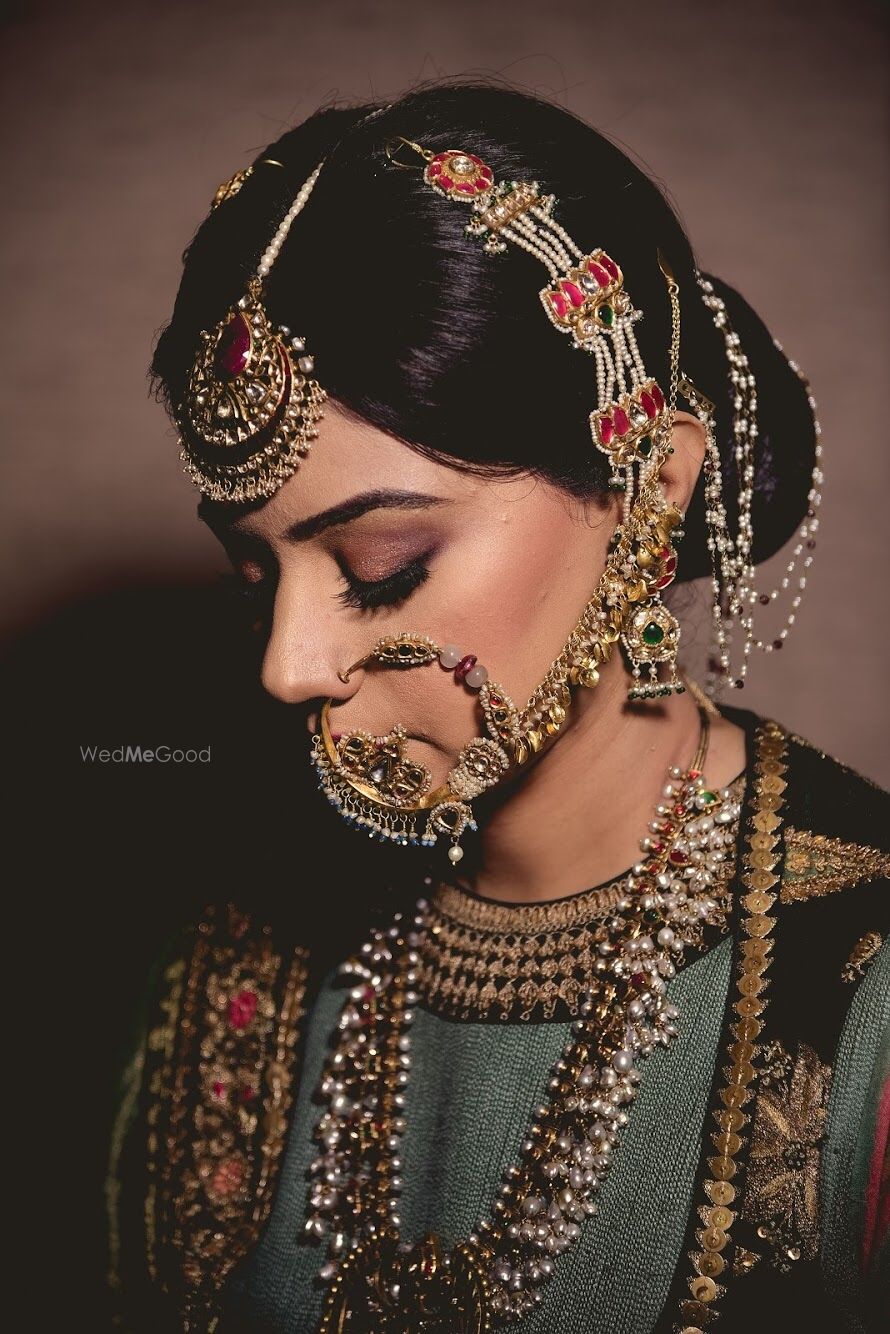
column 389, row 592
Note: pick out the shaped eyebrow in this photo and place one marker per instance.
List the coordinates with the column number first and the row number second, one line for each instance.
column 347, row 511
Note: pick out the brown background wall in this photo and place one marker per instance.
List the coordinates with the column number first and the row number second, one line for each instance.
column 765, row 120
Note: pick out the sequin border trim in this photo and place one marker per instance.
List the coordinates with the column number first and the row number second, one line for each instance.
column 762, row 858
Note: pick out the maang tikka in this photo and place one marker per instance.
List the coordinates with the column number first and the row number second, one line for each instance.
column 249, row 412
column 370, row 779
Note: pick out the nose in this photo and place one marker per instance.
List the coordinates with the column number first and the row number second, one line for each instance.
column 305, row 651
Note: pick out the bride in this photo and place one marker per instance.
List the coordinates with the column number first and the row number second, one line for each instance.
column 582, row 1024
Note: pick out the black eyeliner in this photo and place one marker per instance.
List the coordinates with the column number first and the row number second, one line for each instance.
column 369, row 595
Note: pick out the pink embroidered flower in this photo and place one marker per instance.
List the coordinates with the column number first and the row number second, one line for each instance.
column 241, row 1009
column 226, row 1178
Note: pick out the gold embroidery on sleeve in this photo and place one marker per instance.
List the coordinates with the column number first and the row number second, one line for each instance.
column 220, row 1096
column 816, row 864
column 861, row 956
column 790, row 1120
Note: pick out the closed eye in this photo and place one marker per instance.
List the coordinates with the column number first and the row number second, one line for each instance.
column 368, row 595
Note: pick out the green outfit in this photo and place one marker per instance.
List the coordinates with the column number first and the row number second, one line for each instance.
column 225, row 1194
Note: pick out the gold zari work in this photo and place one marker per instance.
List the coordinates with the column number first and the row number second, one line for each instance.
column 816, row 864
column 717, row 1252
column 221, row 1076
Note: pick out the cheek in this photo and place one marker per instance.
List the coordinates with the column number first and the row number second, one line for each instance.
column 511, row 598
column 522, row 588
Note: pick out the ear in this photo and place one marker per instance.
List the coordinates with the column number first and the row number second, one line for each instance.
column 680, row 470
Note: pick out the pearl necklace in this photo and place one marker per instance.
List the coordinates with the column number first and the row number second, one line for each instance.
column 499, row 1273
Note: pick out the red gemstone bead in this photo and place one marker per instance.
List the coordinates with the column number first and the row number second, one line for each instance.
column 605, row 430
column 638, row 979
column 465, row 187
column 598, row 272
column 464, row 666
column 678, row 858
column 232, row 348
column 560, row 305
column 648, row 404
column 445, row 181
column 610, row 266
column 657, row 396
column 620, row 418
column 218, row 1090
column 663, row 581
column 434, row 168
column 573, row 292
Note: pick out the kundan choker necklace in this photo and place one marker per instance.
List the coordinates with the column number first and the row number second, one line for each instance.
column 376, row 1282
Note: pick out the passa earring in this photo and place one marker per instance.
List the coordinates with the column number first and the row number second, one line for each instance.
column 734, row 594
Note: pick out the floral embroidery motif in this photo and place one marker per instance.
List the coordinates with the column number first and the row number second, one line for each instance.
column 816, row 864
column 790, row 1122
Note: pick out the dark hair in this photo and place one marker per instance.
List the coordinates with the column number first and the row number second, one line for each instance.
column 418, row 331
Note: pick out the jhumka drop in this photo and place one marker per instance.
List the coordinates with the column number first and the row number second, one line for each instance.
column 376, row 1281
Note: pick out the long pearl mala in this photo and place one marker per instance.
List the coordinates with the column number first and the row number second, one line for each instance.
column 734, row 594
column 571, row 1139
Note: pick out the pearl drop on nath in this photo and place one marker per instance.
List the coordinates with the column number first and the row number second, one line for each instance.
column 476, row 676
column 455, row 854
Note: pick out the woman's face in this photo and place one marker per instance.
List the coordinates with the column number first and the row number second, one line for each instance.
column 369, row 538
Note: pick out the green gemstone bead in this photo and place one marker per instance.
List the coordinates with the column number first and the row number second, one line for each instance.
column 653, row 634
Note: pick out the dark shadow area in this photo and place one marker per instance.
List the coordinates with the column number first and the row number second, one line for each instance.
column 105, row 860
